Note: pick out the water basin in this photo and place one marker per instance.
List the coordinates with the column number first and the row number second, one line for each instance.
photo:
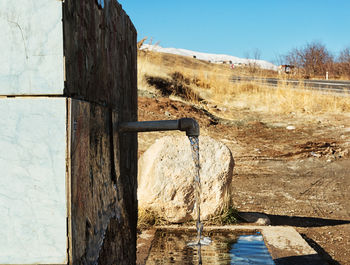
column 226, row 247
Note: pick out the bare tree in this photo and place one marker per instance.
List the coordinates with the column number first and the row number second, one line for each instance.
column 256, row 54
column 253, row 66
column 294, row 57
column 344, row 62
column 312, row 60
column 345, row 55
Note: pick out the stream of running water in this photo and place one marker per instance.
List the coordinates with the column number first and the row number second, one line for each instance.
column 197, row 184
column 197, row 194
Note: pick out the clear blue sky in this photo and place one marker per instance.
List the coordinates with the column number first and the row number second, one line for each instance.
column 238, row 27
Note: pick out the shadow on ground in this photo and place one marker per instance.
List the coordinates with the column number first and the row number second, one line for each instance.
column 300, row 260
column 299, row 221
column 321, row 252
column 296, row 221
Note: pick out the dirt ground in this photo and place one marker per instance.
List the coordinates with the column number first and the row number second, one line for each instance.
column 293, row 168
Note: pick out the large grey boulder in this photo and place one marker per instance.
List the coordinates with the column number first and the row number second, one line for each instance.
column 166, row 178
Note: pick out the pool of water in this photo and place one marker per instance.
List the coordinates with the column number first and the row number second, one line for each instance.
column 171, row 247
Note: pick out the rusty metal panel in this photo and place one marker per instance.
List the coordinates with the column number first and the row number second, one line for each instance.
column 31, row 45
column 33, row 208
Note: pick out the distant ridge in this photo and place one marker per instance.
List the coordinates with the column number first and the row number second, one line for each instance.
column 214, row 58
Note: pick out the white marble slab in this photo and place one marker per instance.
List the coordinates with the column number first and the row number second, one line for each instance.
column 31, row 47
column 32, row 181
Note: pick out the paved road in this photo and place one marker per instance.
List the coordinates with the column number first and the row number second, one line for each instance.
column 326, row 85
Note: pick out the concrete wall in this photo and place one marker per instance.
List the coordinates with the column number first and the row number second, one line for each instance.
column 31, row 45
column 33, row 202
column 73, row 48
column 84, row 55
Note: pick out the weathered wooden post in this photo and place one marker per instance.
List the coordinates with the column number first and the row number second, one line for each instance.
column 67, row 179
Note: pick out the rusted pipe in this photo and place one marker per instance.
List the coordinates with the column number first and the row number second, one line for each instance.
column 188, row 125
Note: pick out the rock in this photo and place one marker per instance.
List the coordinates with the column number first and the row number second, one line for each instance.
column 315, row 154
column 256, row 218
column 166, row 173
column 290, row 127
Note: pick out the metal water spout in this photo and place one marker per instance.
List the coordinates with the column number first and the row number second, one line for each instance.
column 189, row 125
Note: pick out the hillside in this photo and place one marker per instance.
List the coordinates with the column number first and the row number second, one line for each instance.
column 291, row 148
column 214, row 58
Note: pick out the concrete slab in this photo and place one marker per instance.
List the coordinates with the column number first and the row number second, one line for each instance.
column 31, row 45
column 33, row 207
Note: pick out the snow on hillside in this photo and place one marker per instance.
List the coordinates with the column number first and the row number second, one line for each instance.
column 214, row 58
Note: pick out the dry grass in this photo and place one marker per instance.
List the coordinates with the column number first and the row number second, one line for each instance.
column 282, row 99
column 212, row 83
column 148, row 218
